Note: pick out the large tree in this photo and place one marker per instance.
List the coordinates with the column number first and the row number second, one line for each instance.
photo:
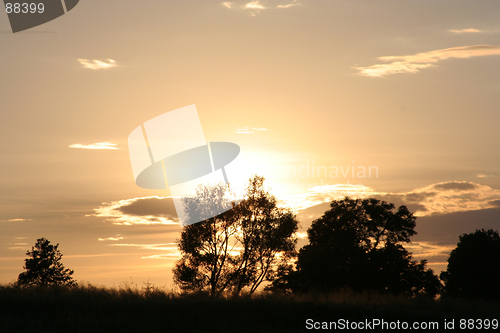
column 358, row 244
column 44, row 267
column 239, row 249
column 474, row 266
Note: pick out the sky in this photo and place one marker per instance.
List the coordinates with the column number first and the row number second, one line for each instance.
column 391, row 99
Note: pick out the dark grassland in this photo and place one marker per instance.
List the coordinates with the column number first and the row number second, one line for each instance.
column 149, row 309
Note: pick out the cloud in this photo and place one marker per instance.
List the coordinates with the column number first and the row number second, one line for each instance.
column 139, row 211
column 445, row 229
column 323, row 194
column 15, row 220
column 254, row 5
column 414, row 63
column 162, row 247
column 457, row 186
column 292, row 4
column 97, row 64
column 495, row 203
column 447, row 197
column 164, row 256
column 429, row 249
column 149, row 206
column 171, row 249
column 117, row 238
column 470, row 30
column 396, row 67
column 99, row 145
column 249, row 130
column 436, row 199
column 17, row 246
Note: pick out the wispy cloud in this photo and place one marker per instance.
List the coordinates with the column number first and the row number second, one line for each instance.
column 164, row 256
column 98, row 145
column 292, row 4
column 171, row 249
column 17, row 245
column 429, row 250
column 464, row 31
column 256, row 6
column 97, row 64
column 249, row 130
column 15, row 220
column 117, row 238
column 480, row 175
column 139, row 211
column 161, row 247
column 414, row 63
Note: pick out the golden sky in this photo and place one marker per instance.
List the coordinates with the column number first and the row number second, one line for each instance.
column 388, row 98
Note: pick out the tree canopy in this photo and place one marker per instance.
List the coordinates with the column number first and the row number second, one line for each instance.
column 239, row 249
column 44, row 267
column 358, row 244
column 474, row 266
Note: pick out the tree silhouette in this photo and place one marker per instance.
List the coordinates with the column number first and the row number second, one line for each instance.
column 474, row 266
column 357, row 244
column 205, row 264
column 44, row 267
column 239, row 249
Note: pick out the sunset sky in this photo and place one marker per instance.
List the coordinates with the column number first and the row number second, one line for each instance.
column 393, row 99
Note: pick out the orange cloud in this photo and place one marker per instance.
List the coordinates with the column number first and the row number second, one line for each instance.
column 143, row 211
column 436, row 199
column 97, row 64
column 414, row 63
column 254, row 5
column 470, row 30
column 98, row 145
column 292, row 4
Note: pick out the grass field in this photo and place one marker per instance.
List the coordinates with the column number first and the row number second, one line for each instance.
column 149, row 309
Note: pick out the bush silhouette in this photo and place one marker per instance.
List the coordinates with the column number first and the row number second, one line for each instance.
column 474, row 266
column 44, row 267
